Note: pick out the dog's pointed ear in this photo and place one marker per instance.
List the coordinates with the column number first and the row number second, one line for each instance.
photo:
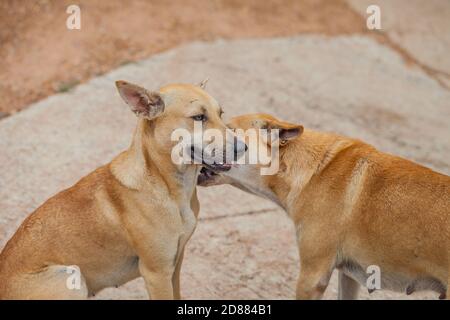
column 203, row 83
column 286, row 131
column 142, row 102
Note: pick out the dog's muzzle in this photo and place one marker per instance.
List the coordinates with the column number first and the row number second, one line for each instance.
column 212, row 166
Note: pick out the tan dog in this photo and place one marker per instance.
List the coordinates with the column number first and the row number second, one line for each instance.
column 129, row 218
column 353, row 207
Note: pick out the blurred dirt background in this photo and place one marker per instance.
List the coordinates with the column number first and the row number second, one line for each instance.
column 307, row 61
column 40, row 56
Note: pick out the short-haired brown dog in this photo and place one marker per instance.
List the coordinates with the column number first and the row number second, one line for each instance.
column 353, row 207
column 129, row 218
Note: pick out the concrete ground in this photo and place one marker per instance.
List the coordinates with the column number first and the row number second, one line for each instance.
column 243, row 247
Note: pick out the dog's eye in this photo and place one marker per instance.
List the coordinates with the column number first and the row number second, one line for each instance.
column 200, row 117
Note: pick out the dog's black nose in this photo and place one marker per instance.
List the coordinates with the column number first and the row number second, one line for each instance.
column 239, row 148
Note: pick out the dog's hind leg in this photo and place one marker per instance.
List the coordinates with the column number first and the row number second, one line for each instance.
column 56, row 282
column 348, row 288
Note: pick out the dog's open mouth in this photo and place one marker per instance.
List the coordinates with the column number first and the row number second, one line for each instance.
column 217, row 166
column 209, row 172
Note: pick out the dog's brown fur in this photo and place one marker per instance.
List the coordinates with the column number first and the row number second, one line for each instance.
column 354, row 206
column 129, row 218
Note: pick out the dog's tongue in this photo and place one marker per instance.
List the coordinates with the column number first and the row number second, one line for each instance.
column 226, row 166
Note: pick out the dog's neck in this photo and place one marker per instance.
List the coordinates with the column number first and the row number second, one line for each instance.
column 143, row 162
column 300, row 161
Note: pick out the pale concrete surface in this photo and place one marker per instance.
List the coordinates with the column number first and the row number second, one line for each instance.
column 422, row 28
column 244, row 246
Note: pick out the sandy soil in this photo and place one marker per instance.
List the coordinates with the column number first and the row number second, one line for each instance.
column 40, row 56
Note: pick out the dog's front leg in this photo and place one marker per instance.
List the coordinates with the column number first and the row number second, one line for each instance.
column 348, row 288
column 157, row 281
column 313, row 280
column 316, row 265
column 176, row 277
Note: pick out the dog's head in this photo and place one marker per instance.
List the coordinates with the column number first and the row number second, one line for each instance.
column 248, row 176
column 183, row 108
